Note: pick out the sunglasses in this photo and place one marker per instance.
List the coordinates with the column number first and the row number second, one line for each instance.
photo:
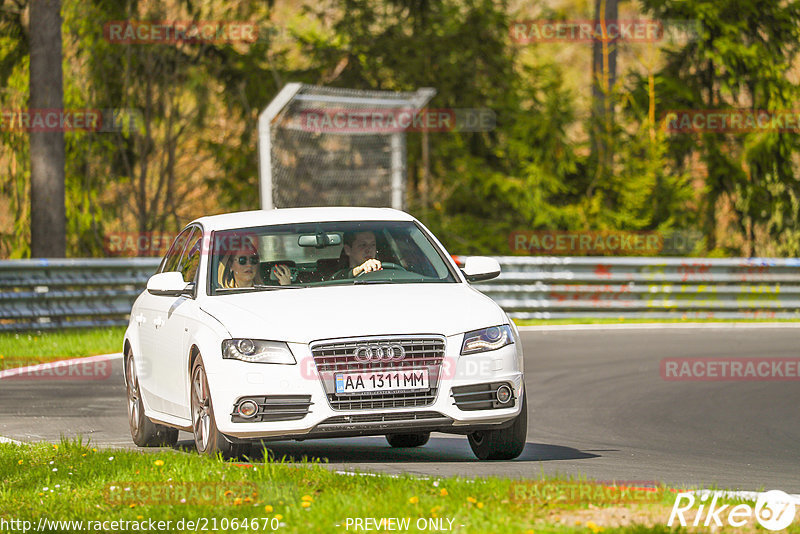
column 253, row 260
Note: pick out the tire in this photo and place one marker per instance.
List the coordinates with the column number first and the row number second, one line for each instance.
column 403, row 441
column 144, row 432
column 207, row 438
column 504, row 444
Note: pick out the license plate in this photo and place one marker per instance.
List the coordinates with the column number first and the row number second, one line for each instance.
column 384, row 381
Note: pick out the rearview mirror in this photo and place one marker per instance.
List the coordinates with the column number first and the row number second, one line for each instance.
column 319, row 240
column 477, row 268
column 169, row 284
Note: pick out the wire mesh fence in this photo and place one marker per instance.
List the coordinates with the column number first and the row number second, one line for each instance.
column 320, row 148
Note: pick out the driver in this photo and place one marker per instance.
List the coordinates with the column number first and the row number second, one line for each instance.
column 361, row 250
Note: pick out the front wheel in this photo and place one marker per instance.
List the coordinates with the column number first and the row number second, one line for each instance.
column 504, row 444
column 403, row 441
column 207, row 438
column 144, row 432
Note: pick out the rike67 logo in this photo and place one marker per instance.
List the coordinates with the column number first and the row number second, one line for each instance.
column 774, row 510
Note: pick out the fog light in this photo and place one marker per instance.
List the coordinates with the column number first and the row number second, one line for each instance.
column 503, row 394
column 248, row 408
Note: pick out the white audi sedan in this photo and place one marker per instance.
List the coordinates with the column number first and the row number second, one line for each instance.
column 304, row 323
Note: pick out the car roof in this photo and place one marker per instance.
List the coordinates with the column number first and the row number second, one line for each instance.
column 247, row 219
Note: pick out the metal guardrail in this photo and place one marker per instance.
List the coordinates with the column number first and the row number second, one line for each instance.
column 545, row 287
column 46, row 294
column 58, row 294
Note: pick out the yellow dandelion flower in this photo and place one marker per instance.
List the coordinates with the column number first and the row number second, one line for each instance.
column 577, row 523
column 268, row 509
column 248, row 500
column 20, row 462
column 308, row 498
column 228, row 493
column 443, row 492
column 278, row 517
column 237, row 501
column 305, row 504
column 479, row 505
column 594, row 527
column 159, row 463
column 473, row 500
column 139, row 517
column 414, row 500
column 133, row 505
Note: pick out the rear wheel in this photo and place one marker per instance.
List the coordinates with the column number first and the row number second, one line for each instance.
column 207, row 437
column 504, row 444
column 144, row 432
column 408, row 440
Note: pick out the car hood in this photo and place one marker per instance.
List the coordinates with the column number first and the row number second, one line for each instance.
column 308, row 314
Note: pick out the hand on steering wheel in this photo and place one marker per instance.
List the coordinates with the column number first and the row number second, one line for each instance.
column 367, row 267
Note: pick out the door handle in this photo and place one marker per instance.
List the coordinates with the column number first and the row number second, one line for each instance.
column 158, row 322
column 140, row 319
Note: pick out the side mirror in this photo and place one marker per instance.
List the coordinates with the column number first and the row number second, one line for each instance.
column 169, row 284
column 478, row 268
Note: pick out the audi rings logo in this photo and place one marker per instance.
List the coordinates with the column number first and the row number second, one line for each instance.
column 379, row 352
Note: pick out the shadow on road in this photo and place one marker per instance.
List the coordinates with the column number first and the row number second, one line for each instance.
column 372, row 450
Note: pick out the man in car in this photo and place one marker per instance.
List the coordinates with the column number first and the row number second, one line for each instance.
column 361, row 250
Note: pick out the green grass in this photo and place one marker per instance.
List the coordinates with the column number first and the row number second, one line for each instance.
column 47, row 346
column 71, row 481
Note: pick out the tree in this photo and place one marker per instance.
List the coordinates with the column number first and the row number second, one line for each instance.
column 740, row 58
column 48, row 209
column 604, row 76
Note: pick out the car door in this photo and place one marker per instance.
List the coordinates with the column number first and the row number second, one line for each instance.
column 172, row 320
column 149, row 315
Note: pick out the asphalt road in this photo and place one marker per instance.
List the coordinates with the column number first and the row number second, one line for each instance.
column 598, row 407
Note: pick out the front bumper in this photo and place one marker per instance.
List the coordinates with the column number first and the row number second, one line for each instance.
column 232, row 380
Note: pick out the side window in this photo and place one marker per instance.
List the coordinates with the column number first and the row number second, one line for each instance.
column 174, row 254
column 190, row 260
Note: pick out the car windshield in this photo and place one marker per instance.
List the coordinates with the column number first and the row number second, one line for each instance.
column 322, row 254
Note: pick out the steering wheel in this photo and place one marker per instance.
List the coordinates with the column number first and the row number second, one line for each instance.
column 381, row 274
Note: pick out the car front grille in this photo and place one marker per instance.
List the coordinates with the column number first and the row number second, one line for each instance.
column 337, row 356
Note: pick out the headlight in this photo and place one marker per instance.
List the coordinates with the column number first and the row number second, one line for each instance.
column 491, row 338
column 257, row 351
